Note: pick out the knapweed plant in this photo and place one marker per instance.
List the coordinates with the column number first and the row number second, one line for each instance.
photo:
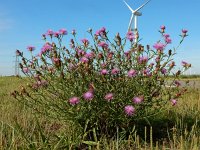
column 101, row 85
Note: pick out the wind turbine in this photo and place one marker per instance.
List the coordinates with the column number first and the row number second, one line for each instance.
column 135, row 14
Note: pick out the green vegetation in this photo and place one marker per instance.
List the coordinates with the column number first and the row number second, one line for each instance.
column 176, row 128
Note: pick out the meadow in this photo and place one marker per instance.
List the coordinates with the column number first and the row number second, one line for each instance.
column 176, row 127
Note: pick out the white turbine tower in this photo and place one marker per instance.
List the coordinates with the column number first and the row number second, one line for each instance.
column 135, row 14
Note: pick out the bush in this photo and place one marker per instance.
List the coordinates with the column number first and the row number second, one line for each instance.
column 97, row 85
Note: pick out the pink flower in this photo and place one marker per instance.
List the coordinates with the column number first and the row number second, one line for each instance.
column 89, row 55
column 164, row 71
column 162, row 27
column 147, row 72
column 74, row 100
column 184, row 31
column 63, row 31
column 25, row 70
column 115, row 71
column 85, row 42
column 84, row 60
column 174, row 102
column 177, row 83
column 80, row 52
column 50, row 32
column 185, row 64
column 103, row 45
column 101, row 32
column 46, row 47
column 129, row 110
column 159, row 46
column 168, row 40
column 31, row 48
column 132, row 73
column 88, row 95
column 142, row 59
column 104, row 72
column 138, row 100
column 56, row 34
column 56, row 60
column 130, row 36
column 109, row 97
column 166, row 35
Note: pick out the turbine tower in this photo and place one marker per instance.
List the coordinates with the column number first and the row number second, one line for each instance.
column 135, row 14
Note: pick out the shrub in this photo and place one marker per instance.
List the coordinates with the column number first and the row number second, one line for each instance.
column 96, row 84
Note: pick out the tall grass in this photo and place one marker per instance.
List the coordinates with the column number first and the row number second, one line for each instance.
column 176, row 128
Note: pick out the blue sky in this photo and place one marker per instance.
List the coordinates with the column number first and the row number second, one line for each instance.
column 23, row 21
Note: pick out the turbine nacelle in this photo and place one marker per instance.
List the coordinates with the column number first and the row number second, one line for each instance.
column 137, row 13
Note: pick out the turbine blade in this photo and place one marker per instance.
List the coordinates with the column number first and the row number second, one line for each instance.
column 129, row 7
column 130, row 23
column 142, row 6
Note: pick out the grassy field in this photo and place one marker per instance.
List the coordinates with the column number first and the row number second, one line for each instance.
column 176, row 128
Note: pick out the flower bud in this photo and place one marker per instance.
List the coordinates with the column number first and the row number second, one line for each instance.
column 170, row 52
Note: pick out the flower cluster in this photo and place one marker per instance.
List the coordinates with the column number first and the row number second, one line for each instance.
column 99, row 79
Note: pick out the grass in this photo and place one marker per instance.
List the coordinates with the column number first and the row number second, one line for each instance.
column 176, row 128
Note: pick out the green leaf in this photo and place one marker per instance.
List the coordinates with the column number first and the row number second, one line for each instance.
column 90, row 143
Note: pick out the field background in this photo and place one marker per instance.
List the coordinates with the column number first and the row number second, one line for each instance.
column 176, row 128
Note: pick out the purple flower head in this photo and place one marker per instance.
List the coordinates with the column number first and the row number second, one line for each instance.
column 184, row 31
column 129, row 110
column 44, row 36
column 89, row 55
column 174, row 102
column 184, row 63
column 104, row 72
column 130, row 36
column 166, row 35
column 164, row 71
column 103, row 45
column 85, row 42
column 81, row 52
column 157, row 59
column 115, row 71
column 46, row 47
column 103, row 65
column 132, row 73
column 177, row 83
column 30, row 48
column 88, row 95
column 138, row 100
column 101, row 32
column 109, row 97
column 25, row 70
column 168, row 40
column 50, row 32
column 63, row 31
column 162, row 27
column 84, row 60
column 56, row 34
column 159, row 46
column 143, row 59
column 73, row 32
column 56, row 60
column 147, row 72
column 74, row 100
